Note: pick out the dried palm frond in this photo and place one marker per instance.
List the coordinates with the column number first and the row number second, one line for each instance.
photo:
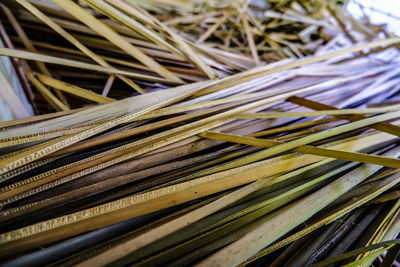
column 200, row 133
column 220, row 172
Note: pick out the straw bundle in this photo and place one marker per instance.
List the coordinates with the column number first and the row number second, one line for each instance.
column 292, row 162
column 98, row 51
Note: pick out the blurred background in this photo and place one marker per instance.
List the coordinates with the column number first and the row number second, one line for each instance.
column 385, row 12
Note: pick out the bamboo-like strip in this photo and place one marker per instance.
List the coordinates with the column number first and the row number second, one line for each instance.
column 73, row 89
column 382, row 228
column 25, row 168
column 75, row 64
column 46, row 92
column 213, row 28
column 197, row 60
column 382, row 126
column 292, row 127
column 182, row 108
column 108, row 85
column 386, row 197
column 353, row 253
column 32, row 119
column 6, row 142
column 190, row 19
column 74, row 41
column 250, row 40
column 115, row 38
column 318, row 151
column 392, row 230
column 315, row 113
column 291, row 136
column 344, row 209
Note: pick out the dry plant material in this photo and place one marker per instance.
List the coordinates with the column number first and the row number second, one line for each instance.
column 121, row 48
column 198, row 133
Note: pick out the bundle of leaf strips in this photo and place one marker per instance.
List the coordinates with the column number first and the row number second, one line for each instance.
column 71, row 54
column 232, row 144
column 295, row 156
